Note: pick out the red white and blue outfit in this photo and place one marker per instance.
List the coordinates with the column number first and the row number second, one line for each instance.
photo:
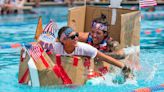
column 103, row 46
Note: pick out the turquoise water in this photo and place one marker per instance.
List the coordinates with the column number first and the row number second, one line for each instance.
column 21, row 28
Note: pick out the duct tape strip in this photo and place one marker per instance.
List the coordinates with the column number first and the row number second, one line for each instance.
column 33, row 73
column 114, row 16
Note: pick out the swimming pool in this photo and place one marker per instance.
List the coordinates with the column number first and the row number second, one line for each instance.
column 21, row 28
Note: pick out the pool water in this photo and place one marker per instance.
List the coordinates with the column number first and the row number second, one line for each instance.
column 21, row 28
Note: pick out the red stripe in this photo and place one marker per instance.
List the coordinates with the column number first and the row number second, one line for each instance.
column 65, row 77
column 44, row 61
column 103, row 70
column 143, row 90
column 49, row 52
column 87, row 63
column 22, row 80
column 56, row 70
column 75, row 61
column 36, row 57
column 51, row 29
column 59, row 71
column 22, row 52
column 21, row 59
column 48, row 26
column 58, row 59
column 162, row 85
column 35, row 53
column 63, row 74
column 144, row 3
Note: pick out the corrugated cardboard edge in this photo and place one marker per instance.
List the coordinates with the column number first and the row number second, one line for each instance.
column 134, row 32
column 23, row 67
column 80, row 16
column 115, row 30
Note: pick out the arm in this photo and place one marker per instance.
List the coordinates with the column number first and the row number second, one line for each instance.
column 116, row 51
column 83, row 36
column 113, row 45
column 119, row 54
column 125, row 70
column 109, row 59
column 20, row 4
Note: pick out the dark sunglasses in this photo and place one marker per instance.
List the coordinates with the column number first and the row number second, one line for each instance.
column 74, row 36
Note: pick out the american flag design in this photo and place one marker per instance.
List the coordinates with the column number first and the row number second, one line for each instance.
column 35, row 52
column 48, row 35
column 50, row 28
column 145, row 3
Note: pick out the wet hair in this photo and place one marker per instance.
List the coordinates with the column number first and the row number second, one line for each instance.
column 61, row 30
column 102, row 19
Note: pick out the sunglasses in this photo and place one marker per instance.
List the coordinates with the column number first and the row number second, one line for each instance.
column 72, row 37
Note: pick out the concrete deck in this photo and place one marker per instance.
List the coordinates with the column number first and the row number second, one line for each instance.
column 82, row 3
column 29, row 6
column 27, row 9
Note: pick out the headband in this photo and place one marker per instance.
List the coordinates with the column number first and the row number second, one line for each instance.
column 68, row 31
column 99, row 26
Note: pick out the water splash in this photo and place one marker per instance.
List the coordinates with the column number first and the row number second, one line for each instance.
column 152, row 73
column 112, row 79
column 116, row 78
column 132, row 59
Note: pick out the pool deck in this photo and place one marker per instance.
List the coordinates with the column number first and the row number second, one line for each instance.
column 29, row 6
column 82, row 3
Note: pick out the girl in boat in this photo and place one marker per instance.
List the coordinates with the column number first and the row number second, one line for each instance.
column 99, row 38
column 68, row 45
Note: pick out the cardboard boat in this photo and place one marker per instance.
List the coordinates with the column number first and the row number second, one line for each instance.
column 52, row 69
column 48, row 69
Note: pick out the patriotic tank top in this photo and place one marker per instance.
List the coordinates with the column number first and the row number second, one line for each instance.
column 102, row 46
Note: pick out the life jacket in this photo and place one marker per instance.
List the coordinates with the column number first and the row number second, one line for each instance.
column 102, row 46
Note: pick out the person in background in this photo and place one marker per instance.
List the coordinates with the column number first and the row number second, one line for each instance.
column 37, row 3
column 58, row 1
column 151, row 9
column 6, row 7
column 70, row 3
column 1, row 5
column 18, row 5
column 68, row 45
column 12, row 6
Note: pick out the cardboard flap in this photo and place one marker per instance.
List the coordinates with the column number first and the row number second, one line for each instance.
column 125, row 19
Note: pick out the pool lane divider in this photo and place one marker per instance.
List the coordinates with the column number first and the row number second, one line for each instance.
column 150, row 89
column 16, row 45
column 149, row 32
column 152, row 16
